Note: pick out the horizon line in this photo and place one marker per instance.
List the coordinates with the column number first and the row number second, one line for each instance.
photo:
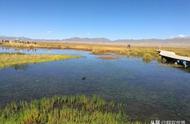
column 91, row 38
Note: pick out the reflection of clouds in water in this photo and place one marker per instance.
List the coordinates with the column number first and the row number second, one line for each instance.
column 17, row 50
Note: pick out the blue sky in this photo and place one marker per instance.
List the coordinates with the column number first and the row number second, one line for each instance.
column 114, row 19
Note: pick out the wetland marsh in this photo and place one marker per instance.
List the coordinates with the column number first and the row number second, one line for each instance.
column 149, row 90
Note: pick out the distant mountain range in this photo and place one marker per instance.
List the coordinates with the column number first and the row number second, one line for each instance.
column 88, row 39
column 77, row 39
column 13, row 38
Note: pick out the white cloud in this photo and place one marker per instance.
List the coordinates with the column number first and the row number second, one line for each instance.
column 181, row 36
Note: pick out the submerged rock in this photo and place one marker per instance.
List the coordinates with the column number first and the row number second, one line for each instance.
column 83, row 78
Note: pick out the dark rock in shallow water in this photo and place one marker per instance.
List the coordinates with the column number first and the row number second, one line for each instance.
column 83, row 78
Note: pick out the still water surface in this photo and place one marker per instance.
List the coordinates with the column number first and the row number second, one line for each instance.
column 150, row 90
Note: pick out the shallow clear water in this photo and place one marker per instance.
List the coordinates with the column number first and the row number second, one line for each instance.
column 150, row 90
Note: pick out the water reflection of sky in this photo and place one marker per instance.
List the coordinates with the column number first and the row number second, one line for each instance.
column 149, row 90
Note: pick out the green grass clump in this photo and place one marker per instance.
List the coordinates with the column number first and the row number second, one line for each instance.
column 11, row 59
column 63, row 110
column 147, row 57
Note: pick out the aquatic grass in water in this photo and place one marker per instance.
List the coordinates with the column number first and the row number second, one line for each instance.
column 64, row 110
column 10, row 59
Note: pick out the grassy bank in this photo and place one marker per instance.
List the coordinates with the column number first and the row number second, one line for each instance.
column 64, row 110
column 146, row 53
column 11, row 59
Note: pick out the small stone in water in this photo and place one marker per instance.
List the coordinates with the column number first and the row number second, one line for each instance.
column 83, row 78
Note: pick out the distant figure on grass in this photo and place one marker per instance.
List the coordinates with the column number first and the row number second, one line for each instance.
column 128, row 46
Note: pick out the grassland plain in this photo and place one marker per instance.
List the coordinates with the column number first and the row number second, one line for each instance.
column 147, row 53
column 65, row 110
column 11, row 59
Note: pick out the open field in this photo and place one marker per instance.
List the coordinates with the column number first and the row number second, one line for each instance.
column 147, row 52
column 68, row 110
column 11, row 59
